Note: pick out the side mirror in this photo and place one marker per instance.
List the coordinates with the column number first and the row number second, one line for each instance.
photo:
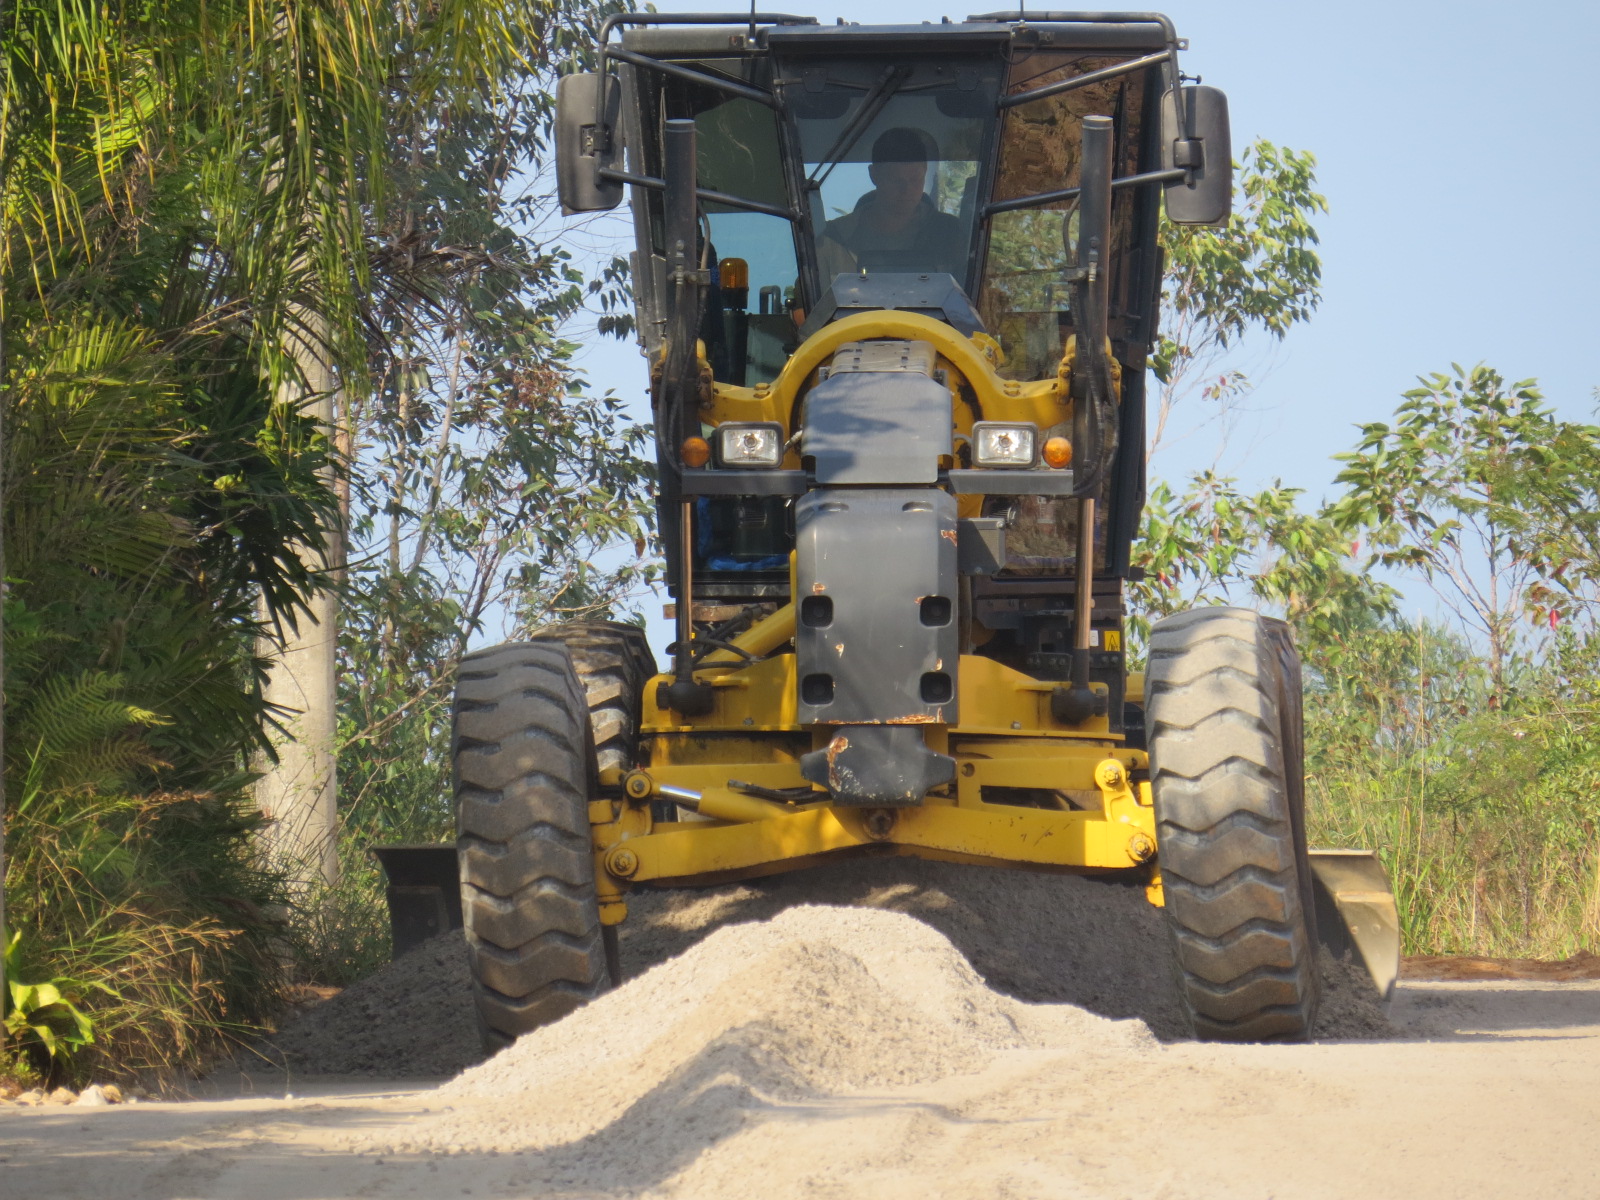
column 586, row 141
column 1194, row 136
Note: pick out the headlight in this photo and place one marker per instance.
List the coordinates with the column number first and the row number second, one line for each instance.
column 753, row 445
column 1003, row 444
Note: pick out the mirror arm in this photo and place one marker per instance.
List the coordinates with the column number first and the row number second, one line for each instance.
column 651, row 183
column 1078, row 81
column 1127, row 181
column 1186, row 118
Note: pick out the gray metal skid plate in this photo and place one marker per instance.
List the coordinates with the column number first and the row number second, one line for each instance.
column 877, row 427
column 876, row 637
column 878, row 766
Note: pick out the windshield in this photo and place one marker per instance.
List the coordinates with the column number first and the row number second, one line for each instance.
column 1025, row 297
column 891, row 158
column 896, row 160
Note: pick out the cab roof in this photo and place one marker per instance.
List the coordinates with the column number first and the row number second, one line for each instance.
column 1064, row 30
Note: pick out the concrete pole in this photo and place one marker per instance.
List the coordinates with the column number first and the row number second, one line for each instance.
column 299, row 793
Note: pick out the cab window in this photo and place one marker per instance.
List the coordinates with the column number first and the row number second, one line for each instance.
column 748, row 329
column 1024, row 297
column 892, row 159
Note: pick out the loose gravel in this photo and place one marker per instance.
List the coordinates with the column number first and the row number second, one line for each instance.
column 1043, row 939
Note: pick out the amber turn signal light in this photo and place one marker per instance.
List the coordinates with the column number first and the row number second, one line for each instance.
column 1057, row 452
column 695, row 452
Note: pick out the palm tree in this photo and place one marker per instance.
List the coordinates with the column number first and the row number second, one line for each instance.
column 187, row 194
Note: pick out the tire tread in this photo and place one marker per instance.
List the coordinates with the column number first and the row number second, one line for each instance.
column 523, row 778
column 1222, row 714
column 613, row 662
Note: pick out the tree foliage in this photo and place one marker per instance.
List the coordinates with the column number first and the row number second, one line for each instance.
column 1261, row 272
column 486, row 480
column 1462, row 748
column 1215, row 544
column 1490, row 497
column 196, row 198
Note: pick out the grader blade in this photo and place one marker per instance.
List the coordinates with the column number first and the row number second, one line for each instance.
column 424, row 892
column 1356, row 912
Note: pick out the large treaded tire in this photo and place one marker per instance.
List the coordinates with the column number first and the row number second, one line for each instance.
column 524, row 774
column 613, row 662
column 1227, row 773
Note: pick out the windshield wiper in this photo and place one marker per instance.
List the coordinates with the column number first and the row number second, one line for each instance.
column 871, row 105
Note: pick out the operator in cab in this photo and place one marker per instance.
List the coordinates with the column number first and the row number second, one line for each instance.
column 896, row 226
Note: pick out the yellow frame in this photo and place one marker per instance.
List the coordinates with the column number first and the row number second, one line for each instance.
column 752, row 734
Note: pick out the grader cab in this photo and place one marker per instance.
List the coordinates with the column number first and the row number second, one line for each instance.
column 898, row 287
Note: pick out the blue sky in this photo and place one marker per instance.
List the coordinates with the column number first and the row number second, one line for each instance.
column 1455, row 144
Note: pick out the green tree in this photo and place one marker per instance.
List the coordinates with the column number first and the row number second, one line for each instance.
column 486, row 483
column 1261, row 272
column 195, row 199
column 1481, row 489
column 1215, row 544
column 1212, row 543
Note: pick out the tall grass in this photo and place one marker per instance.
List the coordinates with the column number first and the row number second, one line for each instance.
column 1488, row 817
column 1487, row 880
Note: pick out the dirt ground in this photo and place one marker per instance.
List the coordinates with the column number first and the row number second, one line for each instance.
column 768, row 1046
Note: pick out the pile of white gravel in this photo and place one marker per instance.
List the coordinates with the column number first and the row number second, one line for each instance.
column 816, row 1002
column 1054, row 939
column 1047, row 939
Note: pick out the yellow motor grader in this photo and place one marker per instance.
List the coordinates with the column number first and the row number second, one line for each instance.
column 898, row 287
